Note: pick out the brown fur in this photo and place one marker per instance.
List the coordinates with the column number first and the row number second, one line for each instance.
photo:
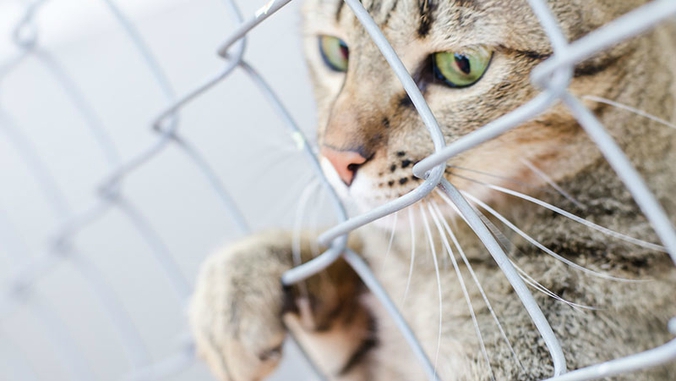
column 239, row 305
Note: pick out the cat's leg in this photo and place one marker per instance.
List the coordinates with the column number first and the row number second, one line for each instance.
column 239, row 305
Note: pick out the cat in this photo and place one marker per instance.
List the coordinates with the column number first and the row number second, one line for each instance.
column 471, row 60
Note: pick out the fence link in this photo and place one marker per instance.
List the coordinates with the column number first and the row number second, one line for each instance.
column 552, row 76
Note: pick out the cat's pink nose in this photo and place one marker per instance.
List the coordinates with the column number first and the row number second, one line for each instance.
column 344, row 162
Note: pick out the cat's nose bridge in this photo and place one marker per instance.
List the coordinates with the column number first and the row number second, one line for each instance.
column 353, row 134
column 354, row 125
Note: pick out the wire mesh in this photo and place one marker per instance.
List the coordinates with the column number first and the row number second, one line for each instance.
column 552, row 76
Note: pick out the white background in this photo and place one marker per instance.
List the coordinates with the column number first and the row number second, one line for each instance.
column 231, row 125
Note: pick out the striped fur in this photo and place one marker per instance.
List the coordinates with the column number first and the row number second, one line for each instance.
column 238, row 307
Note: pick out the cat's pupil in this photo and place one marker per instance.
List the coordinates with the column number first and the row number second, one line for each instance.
column 463, row 63
column 344, row 51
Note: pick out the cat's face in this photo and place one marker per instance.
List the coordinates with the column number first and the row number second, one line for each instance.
column 471, row 61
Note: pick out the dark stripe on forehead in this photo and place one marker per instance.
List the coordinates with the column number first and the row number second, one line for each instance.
column 467, row 3
column 426, row 9
column 386, row 20
column 375, row 7
column 339, row 9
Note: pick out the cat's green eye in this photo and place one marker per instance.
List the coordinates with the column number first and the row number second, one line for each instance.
column 461, row 69
column 334, row 52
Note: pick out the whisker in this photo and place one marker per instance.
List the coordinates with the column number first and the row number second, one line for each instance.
column 493, row 175
column 630, row 109
column 538, row 286
column 313, row 218
column 571, row 216
column 461, row 280
column 389, row 245
column 313, row 227
column 551, row 183
column 301, row 208
column 456, row 243
column 322, row 198
column 410, row 270
column 504, row 242
column 436, row 269
column 555, row 188
column 289, row 196
column 540, row 246
column 297, row 226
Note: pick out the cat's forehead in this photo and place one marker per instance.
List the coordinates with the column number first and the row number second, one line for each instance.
column 420, row 14
column 447, row 24
column 442, row 24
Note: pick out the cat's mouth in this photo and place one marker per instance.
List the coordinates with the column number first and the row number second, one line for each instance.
column 363, row 193
column 372, row 188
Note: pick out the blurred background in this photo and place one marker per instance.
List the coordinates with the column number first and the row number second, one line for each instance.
column 100, row 305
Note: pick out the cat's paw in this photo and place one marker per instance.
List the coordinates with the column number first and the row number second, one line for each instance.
column 236, row 310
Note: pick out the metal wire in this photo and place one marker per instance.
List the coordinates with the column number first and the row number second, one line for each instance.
column 552, row 76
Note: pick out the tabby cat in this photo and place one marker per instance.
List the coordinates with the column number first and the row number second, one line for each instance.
column 471, row 60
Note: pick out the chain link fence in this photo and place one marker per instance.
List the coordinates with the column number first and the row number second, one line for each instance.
column 77, row 235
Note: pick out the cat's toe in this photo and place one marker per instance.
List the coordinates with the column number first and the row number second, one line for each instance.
column 236, row 314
